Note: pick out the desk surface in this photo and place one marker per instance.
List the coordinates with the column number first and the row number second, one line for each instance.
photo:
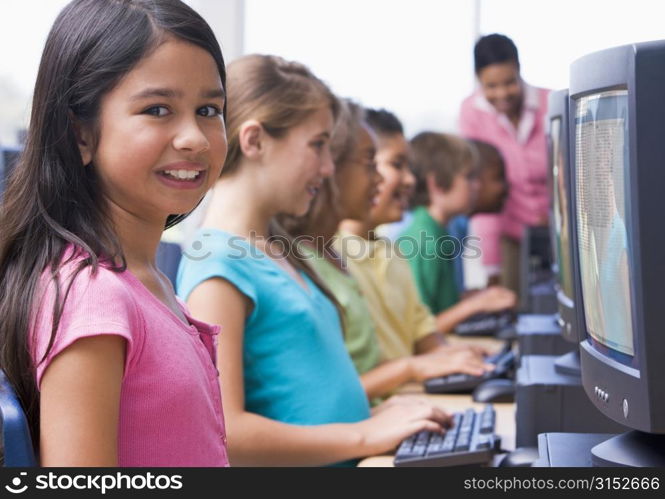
column 505, row 413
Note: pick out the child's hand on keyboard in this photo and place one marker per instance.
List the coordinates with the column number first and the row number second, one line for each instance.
column 494, row 299
column 386, row 429
column 449, row 348
column 439, row 363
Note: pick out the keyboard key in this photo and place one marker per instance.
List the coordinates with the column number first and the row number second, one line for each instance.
column 404, row 449
column 435, row 444
column 436, row 439
column 419, row 450
column 411, row 440
column 422, row 438
column 448, row 446
column 483, row 443
column 463, row 441
column 462, row 446
column 487, row 424
column 467, row 420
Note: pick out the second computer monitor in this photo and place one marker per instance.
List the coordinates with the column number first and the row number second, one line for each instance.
column 561, row 212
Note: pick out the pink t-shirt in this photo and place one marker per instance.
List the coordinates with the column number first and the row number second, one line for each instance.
column 524, row 150
column 170, row 402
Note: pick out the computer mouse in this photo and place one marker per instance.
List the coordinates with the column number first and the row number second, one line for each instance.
column 520, row 457
column 495, row 390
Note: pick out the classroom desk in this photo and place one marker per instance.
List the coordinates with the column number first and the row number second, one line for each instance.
column 505, row 420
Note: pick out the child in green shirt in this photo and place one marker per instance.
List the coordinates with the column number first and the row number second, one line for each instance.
column 445, row 187
column 404, row 324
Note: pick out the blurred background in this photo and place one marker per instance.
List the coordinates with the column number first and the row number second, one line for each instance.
column 413, row 57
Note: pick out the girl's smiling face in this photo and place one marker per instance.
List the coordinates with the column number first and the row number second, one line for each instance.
column 296, row 164
column 161, row 136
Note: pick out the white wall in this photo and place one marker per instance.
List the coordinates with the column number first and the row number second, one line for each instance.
column 551, row 35
column 227, row 20
column 24, row 26
column 413, row 57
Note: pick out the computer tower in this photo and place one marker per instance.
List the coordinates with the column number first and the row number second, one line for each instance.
column 537, row 281
column 551, row 402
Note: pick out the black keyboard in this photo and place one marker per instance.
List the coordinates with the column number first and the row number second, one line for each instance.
column 504, row 362
column 485, row 324
column 471, row 440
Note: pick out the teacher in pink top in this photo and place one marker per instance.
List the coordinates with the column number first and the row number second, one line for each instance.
column 510, row 114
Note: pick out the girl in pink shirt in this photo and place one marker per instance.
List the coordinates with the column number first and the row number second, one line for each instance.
column 127, row 129
column 509, row 114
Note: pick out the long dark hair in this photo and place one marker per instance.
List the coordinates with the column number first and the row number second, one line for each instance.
column 52, row 200
column 494, row 49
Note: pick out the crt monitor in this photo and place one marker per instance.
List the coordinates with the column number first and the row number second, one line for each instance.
column 561, row 225
column 616, row 117
column 557, row 128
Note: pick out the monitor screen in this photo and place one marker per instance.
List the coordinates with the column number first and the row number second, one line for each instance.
column 601, row 159
column 560, row 210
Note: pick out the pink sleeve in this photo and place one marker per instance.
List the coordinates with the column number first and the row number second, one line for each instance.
column 96, row 305
column 470, row 126
column 488, row 229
